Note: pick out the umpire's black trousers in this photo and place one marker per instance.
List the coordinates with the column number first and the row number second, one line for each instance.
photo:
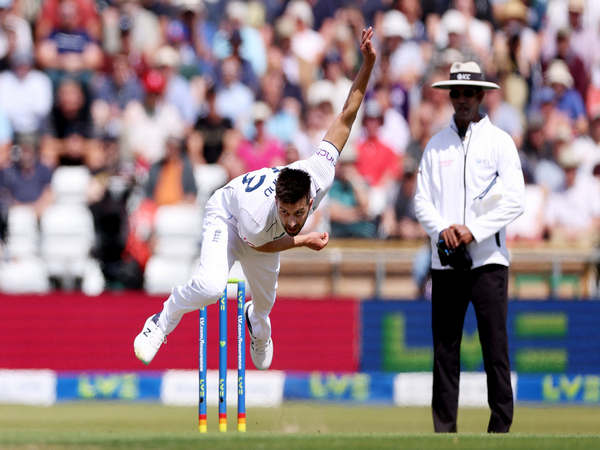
column 487, row 288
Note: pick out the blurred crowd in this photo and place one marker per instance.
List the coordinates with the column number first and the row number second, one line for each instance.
column 164, row 101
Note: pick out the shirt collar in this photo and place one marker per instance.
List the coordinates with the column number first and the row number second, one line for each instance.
column 473, row 126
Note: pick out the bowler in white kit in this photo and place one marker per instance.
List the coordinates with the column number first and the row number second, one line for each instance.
column 251, row 220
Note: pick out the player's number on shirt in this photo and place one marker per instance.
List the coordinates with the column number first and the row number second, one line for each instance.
column 249, row 178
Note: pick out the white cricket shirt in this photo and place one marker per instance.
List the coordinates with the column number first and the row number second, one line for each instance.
column 250, row 199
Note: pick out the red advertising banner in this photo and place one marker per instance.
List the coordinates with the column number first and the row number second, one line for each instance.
column 70, row 331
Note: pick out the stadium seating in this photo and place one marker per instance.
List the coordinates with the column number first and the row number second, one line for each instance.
column 162, row 274
column 178, row 229
column 93, row 280
column 24, row 276
column 209, row 178
column 23, row 233
column 70, row 183
column 67, row 238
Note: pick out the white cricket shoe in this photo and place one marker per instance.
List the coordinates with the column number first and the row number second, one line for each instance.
column 148, row 342
column 261, row 352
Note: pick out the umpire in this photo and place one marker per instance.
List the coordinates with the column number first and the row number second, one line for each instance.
column 470, row 186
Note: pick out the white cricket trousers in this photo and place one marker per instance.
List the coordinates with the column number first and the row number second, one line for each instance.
column 221, row 247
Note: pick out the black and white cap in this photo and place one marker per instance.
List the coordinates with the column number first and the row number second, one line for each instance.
column 465, row 74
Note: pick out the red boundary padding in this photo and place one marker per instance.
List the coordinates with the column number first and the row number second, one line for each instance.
column 70, row 331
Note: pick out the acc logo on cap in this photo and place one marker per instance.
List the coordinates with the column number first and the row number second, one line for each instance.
column 463, row 76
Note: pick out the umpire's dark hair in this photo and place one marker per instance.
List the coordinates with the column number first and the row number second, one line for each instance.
column 292, row 186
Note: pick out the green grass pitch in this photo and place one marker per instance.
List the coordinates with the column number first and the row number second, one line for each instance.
column 145, row 426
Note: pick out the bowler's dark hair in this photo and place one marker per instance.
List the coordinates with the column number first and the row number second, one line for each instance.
column 292, row 186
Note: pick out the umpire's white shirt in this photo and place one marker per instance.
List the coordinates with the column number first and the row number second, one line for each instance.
column 476, row 181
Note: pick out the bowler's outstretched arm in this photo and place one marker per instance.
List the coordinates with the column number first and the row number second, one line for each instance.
column 340, row 129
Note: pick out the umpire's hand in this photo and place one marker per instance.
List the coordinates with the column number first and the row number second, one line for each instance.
column 455, row 235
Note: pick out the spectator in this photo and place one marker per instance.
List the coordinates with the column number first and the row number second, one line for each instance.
column 112, row 92
column 340, row 32
column 140, row 29
column 261, row 150
column 587, row 148
column 318, row 116
column 479, row 32
column 25, row 94
column 69, row 50
column 395, row 131
column 50, row 18
column 573, row 214
column 120, row 86
column 27, row 180
column 234, row 98
column 252, row 46
column 277, row 62
column 371, row 11
column 504, row 116
column 312, row 132
column 568, row 99
column 161, row 10
column 545, row 101
column 548, row 172
column 376, row 162
column 108, row 193
column 536, row 146
column 433, row 9
column 333, row 71
column 516, row 75
column 330, row 91
column 530, row 227
column 397, row 94
column 565, row 52
column 349, row 201
column 192, row 34
column 285, row 27
column 400, row 222
column 307, row 44
column 421, row 131
column 147, row 126
column 285, row 100
column 213, row 136
column 399, row 219
column 321, row 95
column 171, row 180
column 124, row 28
column 247, row 74
column 584, row 36
column 406, row 62
column 569, row 14
column 452, row 34
column 516, row 41
column 442, row 108
column 291, row 154
column 326, row 12
column 69, row 131
column 15, row 34
column 178, row 91
column 211, row 147
column 413, row 12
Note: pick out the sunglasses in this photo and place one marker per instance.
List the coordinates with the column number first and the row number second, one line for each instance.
column 468, row 93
